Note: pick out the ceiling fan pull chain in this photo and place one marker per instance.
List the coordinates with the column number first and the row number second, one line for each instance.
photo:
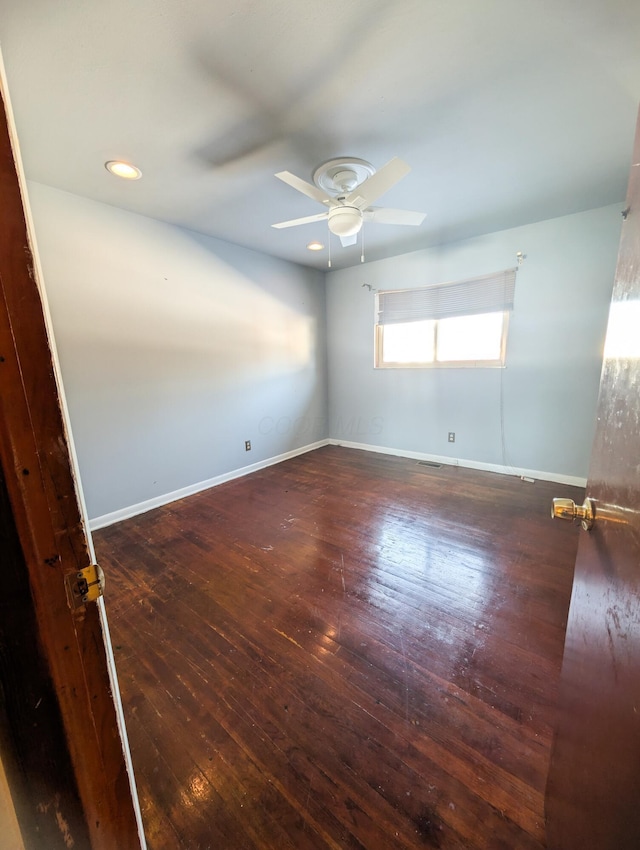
column 362, row 244
column 329, row 243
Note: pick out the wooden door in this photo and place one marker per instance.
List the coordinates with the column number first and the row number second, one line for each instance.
column 60, row 741
column 593, row 792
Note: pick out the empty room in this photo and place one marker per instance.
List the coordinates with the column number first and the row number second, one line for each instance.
column 319, row 342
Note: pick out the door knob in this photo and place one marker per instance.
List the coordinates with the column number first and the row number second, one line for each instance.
column 567, row 509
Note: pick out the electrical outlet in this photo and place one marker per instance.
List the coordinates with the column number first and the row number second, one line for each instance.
column 452, row 436
column 247, row 445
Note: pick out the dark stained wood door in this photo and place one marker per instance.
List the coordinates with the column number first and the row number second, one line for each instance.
column 60, row 743
column 593, row 792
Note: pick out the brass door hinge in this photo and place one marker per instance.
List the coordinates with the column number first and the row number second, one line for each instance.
column 85, row 585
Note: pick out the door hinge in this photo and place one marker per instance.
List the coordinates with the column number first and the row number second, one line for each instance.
column 85, row 585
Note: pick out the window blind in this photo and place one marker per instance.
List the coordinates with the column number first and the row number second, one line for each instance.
column 491, row 293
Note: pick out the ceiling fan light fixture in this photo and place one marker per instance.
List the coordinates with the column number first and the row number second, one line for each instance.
column 345, row 221
column 123, row 169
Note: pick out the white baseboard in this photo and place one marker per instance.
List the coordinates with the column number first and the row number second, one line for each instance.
column 166, row 498
column 158, row 501
column 558, row 477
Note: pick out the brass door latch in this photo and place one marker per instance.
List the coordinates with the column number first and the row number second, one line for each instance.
column 85, row 585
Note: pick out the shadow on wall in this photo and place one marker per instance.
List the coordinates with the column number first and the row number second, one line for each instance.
column 173, row 348
column 218, row 315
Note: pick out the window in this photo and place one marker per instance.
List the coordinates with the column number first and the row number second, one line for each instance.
column 451, row 324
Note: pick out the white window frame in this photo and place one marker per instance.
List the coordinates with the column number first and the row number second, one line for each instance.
column 487, row 294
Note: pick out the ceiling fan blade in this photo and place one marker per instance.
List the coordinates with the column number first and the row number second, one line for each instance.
column 308, row 219
column 306, row 188
column 385, row 215
column 380, row 182
column 348, row 240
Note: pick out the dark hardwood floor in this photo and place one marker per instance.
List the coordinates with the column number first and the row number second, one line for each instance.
column 347, row 650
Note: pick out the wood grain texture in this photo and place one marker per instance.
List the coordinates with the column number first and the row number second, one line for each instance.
column 594, row 781
column 32, row 742
column 345, row 650
column 35, row 459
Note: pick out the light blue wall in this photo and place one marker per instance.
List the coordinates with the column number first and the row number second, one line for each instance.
column 175, row 348
column 548, row 390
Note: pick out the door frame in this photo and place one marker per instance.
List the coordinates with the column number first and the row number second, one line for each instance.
column 40, row 468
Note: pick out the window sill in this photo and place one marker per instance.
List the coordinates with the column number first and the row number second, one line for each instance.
column 450, row 364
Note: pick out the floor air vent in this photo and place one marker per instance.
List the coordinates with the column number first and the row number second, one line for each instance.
column 430, row 463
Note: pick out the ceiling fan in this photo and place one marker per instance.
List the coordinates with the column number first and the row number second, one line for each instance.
column 348, row 186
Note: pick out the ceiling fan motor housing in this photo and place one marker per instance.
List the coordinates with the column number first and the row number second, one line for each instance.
column 345, row 181
column 341, row 175
column 345, row 220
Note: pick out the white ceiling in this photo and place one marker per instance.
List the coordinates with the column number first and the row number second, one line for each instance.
column 508, row 111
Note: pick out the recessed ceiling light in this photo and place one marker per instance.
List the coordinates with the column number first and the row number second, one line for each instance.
column 123, row 169
column 315, row 246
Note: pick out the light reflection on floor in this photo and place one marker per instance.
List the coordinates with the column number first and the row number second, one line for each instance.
column 407, row 550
